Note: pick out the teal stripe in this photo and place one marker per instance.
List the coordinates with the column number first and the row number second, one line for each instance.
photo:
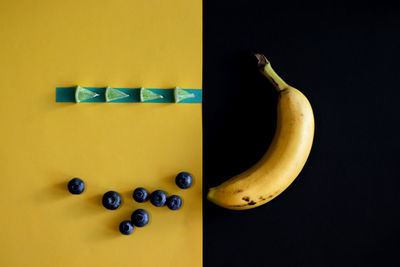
column 67, row 94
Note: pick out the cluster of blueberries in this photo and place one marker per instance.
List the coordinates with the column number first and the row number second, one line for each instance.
column 140, row 217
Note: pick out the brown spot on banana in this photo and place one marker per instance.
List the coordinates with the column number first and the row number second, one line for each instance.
column 274, row 82
column 247, row 199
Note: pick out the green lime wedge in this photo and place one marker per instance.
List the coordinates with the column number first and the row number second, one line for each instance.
column 181, row 94
column 114, row 94
column 82, row 94
column 147, row 95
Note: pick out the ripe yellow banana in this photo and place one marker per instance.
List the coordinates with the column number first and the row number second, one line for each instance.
column 285, row 157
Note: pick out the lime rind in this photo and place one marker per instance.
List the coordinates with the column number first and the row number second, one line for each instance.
column 114, row 94
column 148, row 95
column 181, row 94
column 82, row 94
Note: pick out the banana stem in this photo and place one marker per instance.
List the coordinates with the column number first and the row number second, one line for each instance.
column 268, row 71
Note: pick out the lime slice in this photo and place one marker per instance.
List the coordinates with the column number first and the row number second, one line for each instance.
column 114, row 94
column 147, row 95
column 181, row 94
column 82, row 94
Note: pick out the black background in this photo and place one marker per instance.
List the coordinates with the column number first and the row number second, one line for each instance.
column 343, row 209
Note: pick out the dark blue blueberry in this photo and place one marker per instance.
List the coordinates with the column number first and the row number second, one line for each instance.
column 111, row 200
column 140, row 217
column 126, row 227
column 76, row 186
column 174, row 202
column 184, row 180
column 158, row 198
column 140, row 195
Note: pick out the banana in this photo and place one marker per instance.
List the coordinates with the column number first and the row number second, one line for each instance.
column 285, row 157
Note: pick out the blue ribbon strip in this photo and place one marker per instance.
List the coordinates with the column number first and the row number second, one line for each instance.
column 67, row 94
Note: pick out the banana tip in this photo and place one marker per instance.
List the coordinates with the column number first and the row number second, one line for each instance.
column 210, row 194
column 261, row 60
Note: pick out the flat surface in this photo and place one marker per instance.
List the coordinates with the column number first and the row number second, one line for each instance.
column 343, row 209
column 129, row 44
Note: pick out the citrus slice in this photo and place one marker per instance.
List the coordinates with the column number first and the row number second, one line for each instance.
column 147, row 95
column 114, row 94
column 82, row 94
column 181, row 94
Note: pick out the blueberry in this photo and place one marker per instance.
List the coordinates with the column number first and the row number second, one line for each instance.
column 111, row 200
column 174, row 202
column 184, row 180
column 76, row 186
column 158, row 198
column 140, row 195
column 126, row 227
column 140, row 218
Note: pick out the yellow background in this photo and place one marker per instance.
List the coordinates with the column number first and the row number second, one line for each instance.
column 43, row 144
